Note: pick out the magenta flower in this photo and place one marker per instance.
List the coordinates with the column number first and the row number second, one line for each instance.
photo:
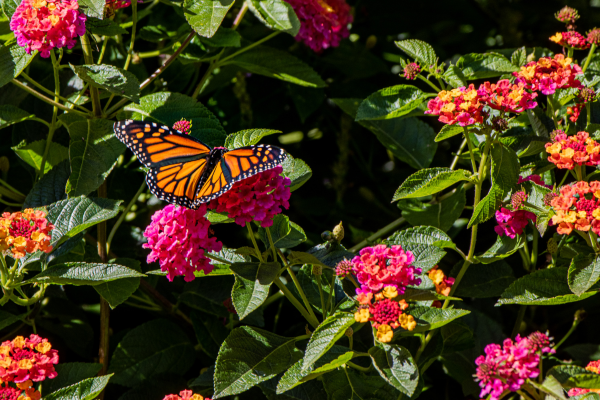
column 178, row 238
column 324, row 23
column 511, row 223
column 257, row 198
column 381, row 266
column 43, row 25
column 534, row 178
column 507, row 367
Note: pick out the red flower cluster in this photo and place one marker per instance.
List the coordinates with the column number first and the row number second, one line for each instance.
column 571, row 39
column 30, row 359
column 577, row 207
column 460, row 105
column 508, row 366
column 549, row 74
column 185, row 395
column 568, row 151
column 257, row 198
column 24, row 232
column 183, row 126
column 179, row 238
column 505, row 96
column 593, row 366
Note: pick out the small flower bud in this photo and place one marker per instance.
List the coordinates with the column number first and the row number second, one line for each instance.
column 567, row 15
column 343, row 268
column 349, row 332
column 552, row 246
column 556, row 132
column 499, row 124
column 411, row 71
column 317, row 270
column 586, row 95
column 338, row 232
column 548, row 197
column 4, row 164
column 518, row 200
column 183, row 126
column 371, row 42
column 593, row 36
column 580, row 315
column 327, row 236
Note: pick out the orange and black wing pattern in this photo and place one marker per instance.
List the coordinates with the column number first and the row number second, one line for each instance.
column 157, row 145
column 236, row 165
column 177, row 162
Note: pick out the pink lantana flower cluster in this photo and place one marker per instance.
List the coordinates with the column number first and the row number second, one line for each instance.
column 506, row 96
column 259, row 198
column 571, row 39
column 462, row 106
column 511, row 223
column 323, row 23
column 507, row 367
column 549, row 74
column 185, row 395
column 42, row 25
column 179, row 239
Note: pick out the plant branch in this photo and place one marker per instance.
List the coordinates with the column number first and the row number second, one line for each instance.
column 295, row 302
column 40, row 96
column 55, row 68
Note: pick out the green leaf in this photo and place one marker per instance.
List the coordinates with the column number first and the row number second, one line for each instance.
column 457, row 336
column 10, row 115
column 297, row 170
column 430, row 181
column 205, row 16
column 348, row 384
column 431, row 318
column 13, row 59
column 50, row 188
column 87, row 389
column 105, row 27
column 333, row 359
column 455, row 77
column 584, row 272
column 538, row 126
column 285, row 233
column 485, row 280
column 247, row 137
column 396, row 365
column 449, row 131
column 7, row 319
column 108, row 77
column 32, row 153
column 116, row 292
column 250, row 356
column 276, row 14
column 409, row 139
column 572, row 376
column 210, row 332
column 9, row 7
column 93, row 8
column 519, row 57
column 83, row 273
column 488, row 65
column 325, row 336
column 421, row 241
column 551, row 386
column 306, row 100
column 69, row 374
column 93, row 152
column 153, row 348
column 505, row 173
column 252, row 283
column 167, row 108
column 225, row 37
column 391, row 102
column 543, row 287
column 75, row 215
column 298, row 257
column 277, row 64
column 440, row 214
column 502, row 248
column 419, row 50
column 310, row 286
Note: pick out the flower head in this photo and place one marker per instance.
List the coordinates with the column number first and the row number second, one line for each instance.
column 460, row 106
column 593, row 36
column 183, row 126
column 512, row 223
column 572, row 39
column 443, row 284
column 568, row 151
column 567, row 15
column 27, row 359
column 9, row 393
column 507, row 367
column 41, row 25
column 506, row 96
column 343, row 268
column 185, row 395
column 179, row 238
column 257, row 198
column 323, row 23
column 518, row 199
column 411, row 71
column 25, row 232
column 549, row 74
column 385, row 334
column 577, row 207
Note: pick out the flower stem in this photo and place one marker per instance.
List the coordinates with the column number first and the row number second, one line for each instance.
column 40, row 96
column 43, row 89
column 437, row 89
column 321, row 294
column 89, row 60
column 271, row 242
column 104, row 306
column 576, row 322
column 296, row 303
column 240, row 15
column 589, row 58
column 133, row 29
column 358, row 367
column 123, row 215
column 302, row 294
column 249, row 47
column 470, row 144
column 520, row 315
column 458, row 153
column 382, row 232
column 258, row 252
column 594, row 241
column 55, row 68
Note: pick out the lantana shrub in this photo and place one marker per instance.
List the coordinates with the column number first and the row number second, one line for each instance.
column 434, row 239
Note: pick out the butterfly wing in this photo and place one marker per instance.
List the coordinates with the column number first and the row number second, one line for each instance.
column 157, row 145
column 236, row 165
column 177, row 183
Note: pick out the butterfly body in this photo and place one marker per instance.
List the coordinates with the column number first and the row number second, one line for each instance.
column 187, row 172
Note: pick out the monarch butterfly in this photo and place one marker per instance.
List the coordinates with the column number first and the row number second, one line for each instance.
column 185, row 171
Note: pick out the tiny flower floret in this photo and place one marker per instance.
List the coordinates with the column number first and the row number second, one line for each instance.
column 568, row 151
column 443, row 284
column 41, row 25
column 179, row 239
column 25, row 232
column 549, row 74
column 460, row 106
